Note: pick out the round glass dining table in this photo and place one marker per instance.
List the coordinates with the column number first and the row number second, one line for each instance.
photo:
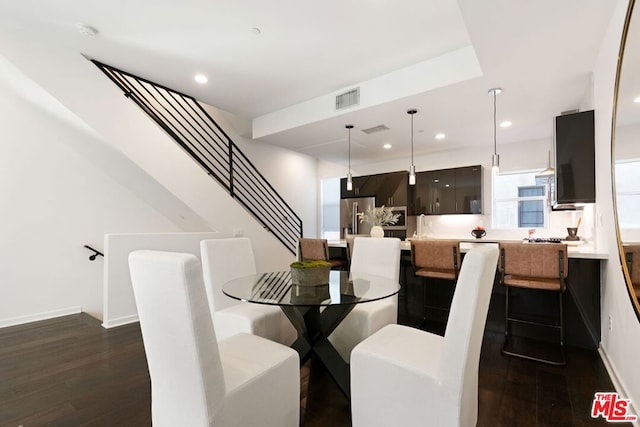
column 344, row 288
column 315, row 311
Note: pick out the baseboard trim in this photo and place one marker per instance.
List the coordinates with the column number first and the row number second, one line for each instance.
column 619, row 386
column 4, row 323
column 120, row 321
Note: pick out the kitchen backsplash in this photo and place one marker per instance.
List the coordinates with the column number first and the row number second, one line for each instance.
column 460, row 226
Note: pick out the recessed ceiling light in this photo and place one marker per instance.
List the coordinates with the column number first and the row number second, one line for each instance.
column 200, row 78
column 506, row 124
column 440, row 135
column 86, row 30
column 387, row 146
column 637, row 100
column 255, row 31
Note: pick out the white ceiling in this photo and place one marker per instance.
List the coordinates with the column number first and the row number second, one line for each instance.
column 540, row 52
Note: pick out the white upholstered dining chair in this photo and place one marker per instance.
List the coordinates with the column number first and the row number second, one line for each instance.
column 227, row 259
column 379, row 257
column 244, row 380
column 409, row 377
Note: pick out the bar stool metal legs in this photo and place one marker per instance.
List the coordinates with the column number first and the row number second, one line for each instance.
column 559, row 326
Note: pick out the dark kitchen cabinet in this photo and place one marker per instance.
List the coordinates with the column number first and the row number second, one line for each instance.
column 392, row 189
column 469, row 190
column 420, row 194
column 389, row 189
column 443, row 192
column 447, row 191
column 575, row 158
column 363, row 186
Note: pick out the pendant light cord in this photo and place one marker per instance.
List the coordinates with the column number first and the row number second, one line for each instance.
column 411, row 139
column 411, row 112
column 349, row 127
column 495, row 147
column 349, row 148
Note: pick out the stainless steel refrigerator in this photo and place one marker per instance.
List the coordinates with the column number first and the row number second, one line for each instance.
column 349, row 221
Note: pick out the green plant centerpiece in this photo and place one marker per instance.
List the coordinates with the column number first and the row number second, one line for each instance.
column 310, row 272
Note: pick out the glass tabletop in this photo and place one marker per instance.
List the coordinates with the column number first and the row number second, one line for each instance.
column 275, row 288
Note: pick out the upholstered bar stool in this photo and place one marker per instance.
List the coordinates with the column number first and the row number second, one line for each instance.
column 435, row 260
column 540, row 266
column 309, row 249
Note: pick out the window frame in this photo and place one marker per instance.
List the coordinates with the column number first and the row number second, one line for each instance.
column 546, row 185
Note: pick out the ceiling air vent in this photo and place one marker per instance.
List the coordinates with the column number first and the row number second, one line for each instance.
column 348, row 99
column 375, row 129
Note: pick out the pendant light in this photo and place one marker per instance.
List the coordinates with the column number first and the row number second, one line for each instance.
column 349, row 177
column 495, row 159
column 412, row 170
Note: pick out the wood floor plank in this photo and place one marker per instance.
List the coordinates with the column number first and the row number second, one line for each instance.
column 70, row 371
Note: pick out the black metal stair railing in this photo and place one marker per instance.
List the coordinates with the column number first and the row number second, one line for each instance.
column 189, row 124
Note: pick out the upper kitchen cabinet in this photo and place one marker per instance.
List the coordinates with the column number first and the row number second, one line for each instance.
column 447, row 191
column 363, row 186
column 443, row 191
column 389, row 189
column 575, row 158
column 420, row 194
column 392, row 189
column 469, row 190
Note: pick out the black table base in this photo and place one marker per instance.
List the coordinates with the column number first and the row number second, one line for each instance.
column 314, row 327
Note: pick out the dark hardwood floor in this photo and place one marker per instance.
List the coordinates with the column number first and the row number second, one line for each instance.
column 70, row 371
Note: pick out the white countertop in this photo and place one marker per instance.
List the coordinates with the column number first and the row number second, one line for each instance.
column 581, row 251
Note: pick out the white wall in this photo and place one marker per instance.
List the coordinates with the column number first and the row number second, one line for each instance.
column 621, row 344
column 292, row 174
column 92, row 163
column 54, row 201
column 119, row 302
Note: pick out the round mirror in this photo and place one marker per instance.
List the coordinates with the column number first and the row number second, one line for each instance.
column 626, row 154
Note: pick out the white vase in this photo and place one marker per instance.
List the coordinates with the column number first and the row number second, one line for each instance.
column 377, row 231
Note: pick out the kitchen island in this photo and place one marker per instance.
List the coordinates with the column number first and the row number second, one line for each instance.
column 581, row 306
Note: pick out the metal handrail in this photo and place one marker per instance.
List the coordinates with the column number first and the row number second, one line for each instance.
column 186, row 121
column 95, row 254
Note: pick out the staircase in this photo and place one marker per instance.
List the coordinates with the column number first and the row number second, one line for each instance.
column 190, row 126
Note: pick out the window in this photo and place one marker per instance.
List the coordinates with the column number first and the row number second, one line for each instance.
column 330, row 213
column 530, row 210
column 628, row 193
column 519, row 201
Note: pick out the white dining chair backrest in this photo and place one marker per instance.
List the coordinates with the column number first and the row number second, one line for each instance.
column 187, row 382
column 426, row 378
column 379, row 256
column 223, row 260
column 465, row 328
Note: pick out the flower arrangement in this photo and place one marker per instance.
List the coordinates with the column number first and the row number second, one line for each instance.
column 379, row 216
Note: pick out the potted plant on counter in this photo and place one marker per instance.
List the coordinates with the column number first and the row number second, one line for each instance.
column 310, row 272
column 377, row 217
